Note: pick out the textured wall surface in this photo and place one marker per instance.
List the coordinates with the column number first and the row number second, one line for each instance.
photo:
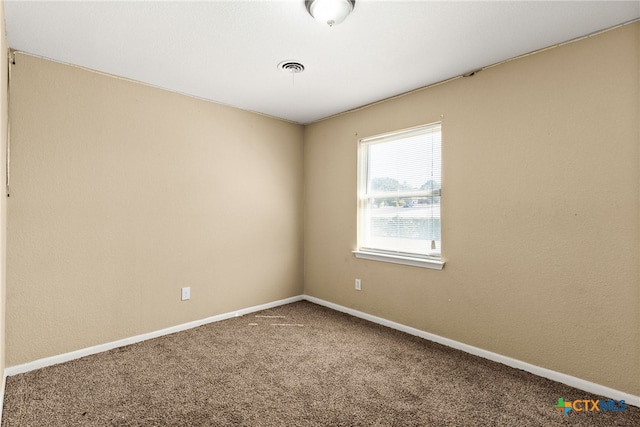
column 122, row 193
column 4, row 77
column 540, row 211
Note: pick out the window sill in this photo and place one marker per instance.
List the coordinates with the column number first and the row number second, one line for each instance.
column 396, row 259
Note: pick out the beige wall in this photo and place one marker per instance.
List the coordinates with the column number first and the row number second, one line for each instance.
column 122, row 193
column 4, row 79
column 540, row 211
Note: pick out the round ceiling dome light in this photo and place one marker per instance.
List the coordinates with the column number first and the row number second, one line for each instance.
column 330, row 12
column 292, row 67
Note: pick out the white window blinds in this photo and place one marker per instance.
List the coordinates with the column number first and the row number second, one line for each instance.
column 399, row 193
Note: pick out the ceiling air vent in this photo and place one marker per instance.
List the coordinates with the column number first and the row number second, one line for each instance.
column 292, row 67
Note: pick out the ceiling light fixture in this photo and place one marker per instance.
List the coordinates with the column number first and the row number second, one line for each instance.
column 330, row 12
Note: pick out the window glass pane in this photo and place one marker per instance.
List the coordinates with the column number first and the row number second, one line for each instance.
column 400, row 206
column 406, row 164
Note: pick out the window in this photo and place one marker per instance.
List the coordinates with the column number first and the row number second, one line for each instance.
column 399, row 195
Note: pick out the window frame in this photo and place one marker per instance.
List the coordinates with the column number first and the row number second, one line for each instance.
column 376, row 254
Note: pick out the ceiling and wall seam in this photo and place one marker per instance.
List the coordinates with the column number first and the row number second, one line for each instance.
column 126, row 79
column 400, row 95
column 227, row 52
column 473, row 72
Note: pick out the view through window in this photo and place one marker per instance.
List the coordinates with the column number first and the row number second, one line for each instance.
column 399, row 193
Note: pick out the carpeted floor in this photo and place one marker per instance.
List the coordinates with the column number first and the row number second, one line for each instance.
column 295, row 365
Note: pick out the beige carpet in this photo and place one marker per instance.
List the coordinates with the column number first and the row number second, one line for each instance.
column 295, row 365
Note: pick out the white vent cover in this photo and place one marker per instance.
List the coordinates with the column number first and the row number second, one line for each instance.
column 292, row 67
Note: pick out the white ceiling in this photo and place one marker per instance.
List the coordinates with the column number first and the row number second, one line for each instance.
column 228, row 51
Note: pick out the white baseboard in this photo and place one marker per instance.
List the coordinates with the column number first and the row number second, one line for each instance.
column 514, row 363
column 569, row 380
column 61, row 358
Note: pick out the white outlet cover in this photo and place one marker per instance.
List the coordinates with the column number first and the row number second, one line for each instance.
column 186, row 293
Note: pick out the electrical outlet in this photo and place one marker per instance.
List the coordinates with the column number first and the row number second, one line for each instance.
column 186, row 293
column 358, row 285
